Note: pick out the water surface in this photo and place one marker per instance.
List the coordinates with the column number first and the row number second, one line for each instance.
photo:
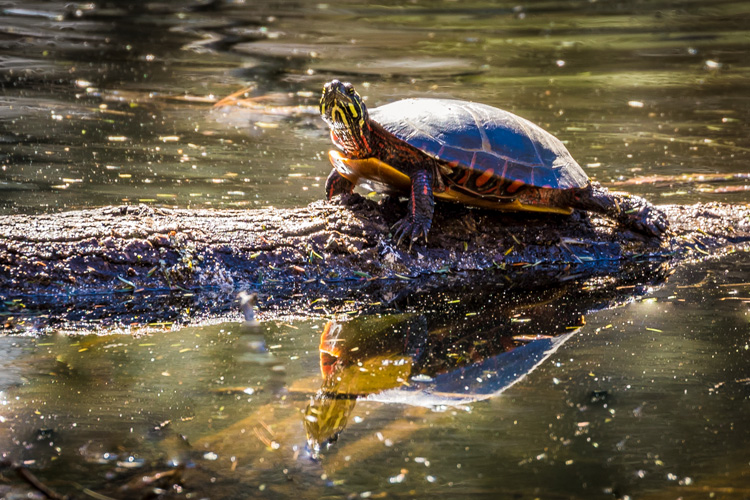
column 116, row 103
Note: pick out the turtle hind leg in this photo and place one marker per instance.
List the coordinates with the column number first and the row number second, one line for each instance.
column 631, row 211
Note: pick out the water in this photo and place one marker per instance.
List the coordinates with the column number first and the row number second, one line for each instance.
column 631, row 402
column 114, row 105
column 111, row 103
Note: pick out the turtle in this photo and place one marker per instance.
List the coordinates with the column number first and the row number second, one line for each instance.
column 466, row 152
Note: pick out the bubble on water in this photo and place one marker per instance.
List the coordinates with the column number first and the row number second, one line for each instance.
column 397, row 479
column 713, row 64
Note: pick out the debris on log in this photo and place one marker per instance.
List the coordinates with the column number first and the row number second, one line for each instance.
column 148, row 264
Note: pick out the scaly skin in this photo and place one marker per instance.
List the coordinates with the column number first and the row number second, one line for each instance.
column 337, row 184
column 628, row 210
column 419, row 210
column 631, row 211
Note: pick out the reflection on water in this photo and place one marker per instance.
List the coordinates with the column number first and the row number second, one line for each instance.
column 107, row 103
column 476, row 344
column 470, row 353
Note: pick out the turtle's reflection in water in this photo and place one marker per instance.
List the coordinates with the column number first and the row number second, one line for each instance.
column 470, row 346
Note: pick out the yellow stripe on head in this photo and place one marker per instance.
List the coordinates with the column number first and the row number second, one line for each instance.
column 339, row 114
column 353, row 109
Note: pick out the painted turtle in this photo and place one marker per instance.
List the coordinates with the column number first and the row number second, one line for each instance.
column 465, row 152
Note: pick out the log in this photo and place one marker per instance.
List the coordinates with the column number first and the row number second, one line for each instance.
column 141, row 264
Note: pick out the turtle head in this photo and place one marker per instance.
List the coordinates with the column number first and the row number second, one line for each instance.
column 343, row 110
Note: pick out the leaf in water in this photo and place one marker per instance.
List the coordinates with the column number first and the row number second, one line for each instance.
column 726, row 189
column 681, row 179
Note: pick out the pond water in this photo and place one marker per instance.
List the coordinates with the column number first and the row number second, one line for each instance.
column 639, row 392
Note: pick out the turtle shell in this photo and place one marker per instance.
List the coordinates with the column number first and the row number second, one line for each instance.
column 490, row 152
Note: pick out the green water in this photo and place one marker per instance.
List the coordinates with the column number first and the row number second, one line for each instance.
column 114, row 103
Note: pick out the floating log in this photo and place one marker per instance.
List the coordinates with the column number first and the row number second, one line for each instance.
column 140, row 264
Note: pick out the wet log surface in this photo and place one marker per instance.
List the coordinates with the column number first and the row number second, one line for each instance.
column 137, row 264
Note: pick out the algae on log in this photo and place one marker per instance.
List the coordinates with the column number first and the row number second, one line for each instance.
column 147, row 264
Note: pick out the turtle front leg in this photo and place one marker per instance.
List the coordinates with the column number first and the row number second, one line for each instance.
column 338, row 184
column 419, row 211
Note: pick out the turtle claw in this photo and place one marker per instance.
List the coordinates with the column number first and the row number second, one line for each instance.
column 651, row 221
column 411, row 228
column 630, row 211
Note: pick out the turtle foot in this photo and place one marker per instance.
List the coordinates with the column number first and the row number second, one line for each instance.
column 648, row 220
column 411, row 228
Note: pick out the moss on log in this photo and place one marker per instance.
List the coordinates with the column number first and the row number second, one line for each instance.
column 144, row 264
